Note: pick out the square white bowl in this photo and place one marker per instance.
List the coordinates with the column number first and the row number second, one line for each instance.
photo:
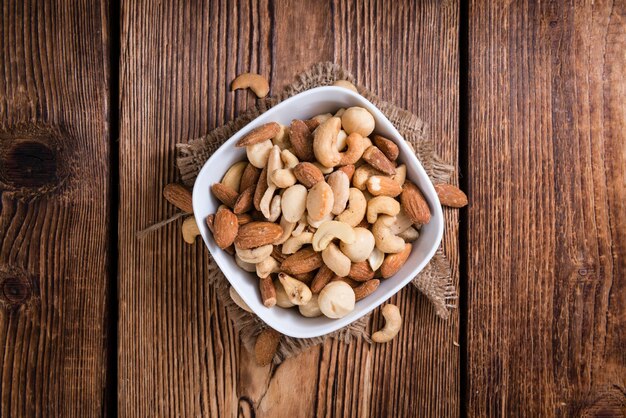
column 304, row 106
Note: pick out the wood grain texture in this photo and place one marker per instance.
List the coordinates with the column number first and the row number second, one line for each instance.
column 54, row 206
column 178, row 353
column 547, row 255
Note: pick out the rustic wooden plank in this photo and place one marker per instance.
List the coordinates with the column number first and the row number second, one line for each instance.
column 547, row 240
column 178, row 351
column 54, row 207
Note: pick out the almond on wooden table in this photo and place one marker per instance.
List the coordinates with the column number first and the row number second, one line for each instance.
column 303, row 261
column 393, row 262
column 225, row 194
column 265, row 346
column 364, row 290
column 451, row 196
column 387, row 146
column 414, row 204
column 225, row 227
column 259, row 134
column 378, row 160
column 256, row 234
column 179, row 196
column 308, row 174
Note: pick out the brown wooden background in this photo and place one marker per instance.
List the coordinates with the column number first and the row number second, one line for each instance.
column 527, row 99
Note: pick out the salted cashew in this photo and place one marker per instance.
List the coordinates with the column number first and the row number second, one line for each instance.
column 386, row 240
column 282, row 299
column 190, row 230
column 337, row 299
column 402, row 223
column 282, row 137
column 330, row 230
column 341, row 139
column 323, row 117
column 323, row 169
column 362, row 174
column 293, row 244
column 232, row 178
column 393, row 323
column 287, row 227
column 325, row 142
column 266, row 200
column 315, row 224
column 335, row 260
column 255, row 82
column 283, row 178
column 254, row 255
column 357, row 205
column 238, row 300
column 362, row 246
column 297, row 292
column 400, row 175
column 312, row 308
column 294, row 202
column 382, row 204
column 289, row 159
column 267, row 267
column 274, row 209
column 339, row 112
column 358, row 119
column 259, row 153
column 357, row 145
column 346, row 85
column 340, row 185
column 302, row 224
column 409, row 235
column 274, row 162
column 376, row 259
column 249, row 267
column 319, row 201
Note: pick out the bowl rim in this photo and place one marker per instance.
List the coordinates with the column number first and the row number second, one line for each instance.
column 410, row 158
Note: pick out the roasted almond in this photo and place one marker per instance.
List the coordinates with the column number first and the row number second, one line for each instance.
column 260, row 134
column 378, row 160
column 179, row 196
column 224, row 194
column 277, row 254
column 349, row 170
column 364, row 290
column 414, row 204
column 261, row 187
column 312, row 124
column 303, row 261
column 301, row 141
column 209, row 222
column 393, row 262
column 321, row 279
column 352, row 283
column 388, row 147
column 249, row 177
column 225, row 227
column 244, row 200
column 451, row 196
column 256, row 234
column 265, row 346
column 268, row 291
column 308, row 174
column 361, row 271
column 383, row 186
column 304, row 277
column 244, row 218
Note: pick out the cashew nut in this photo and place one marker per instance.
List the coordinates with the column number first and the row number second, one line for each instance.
column 232, row 178
column 293, row 244
column 249, row 267
column 393, row 323
column 190, row 230
column 282, row 137
column 336, row 260
column 341, row 139
column 322, row 169
column 330, row 230
column 340, row 185
column 312, row 308
column 357, row 205
column 382, row 204
column 400, row 175
column 325, row 142
column 336, row 299
column 362, row 246
column 274, row 162
column 282, row 299
column 362, row 174
column 346, row 85
column 237, row 299
column 266, row 200
column 294, row 202
column 402, row 223
column 356, row 147
column 254, row 255
column 259, row 153
column 409, row 235
column 376, row 259
column 283, row 178
column 287, row 227
column 319, row 201
column 357, row 119
column 386, row 240
column 289, row 158
column 321, row 118
column 315, row 224
column 255, row 82
column 297, row 292
column 274, row 209
column 302, row 224
column 267, row 267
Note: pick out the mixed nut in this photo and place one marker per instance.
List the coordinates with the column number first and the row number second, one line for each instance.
column 321, row 211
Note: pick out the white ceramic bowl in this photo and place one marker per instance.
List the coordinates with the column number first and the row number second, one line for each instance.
column 304, row 106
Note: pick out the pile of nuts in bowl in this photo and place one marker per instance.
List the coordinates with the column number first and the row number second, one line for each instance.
column 320, row 212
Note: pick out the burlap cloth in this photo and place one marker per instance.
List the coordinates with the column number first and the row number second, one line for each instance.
column 435, row 281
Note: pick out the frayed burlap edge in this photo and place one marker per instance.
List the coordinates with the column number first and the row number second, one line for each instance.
column 435, row 281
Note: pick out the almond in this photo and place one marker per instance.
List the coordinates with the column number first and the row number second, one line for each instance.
column 224, row 194
column 308, row 174
column 260, row 134
column 349, row 170
column 244, row 201
column 378, row 160
column 225, row 226
column 303, row 261
column 268, row 291
column 321, row 279
column 261, row 187
column 304, row 277
column 393, row 262
column 278, row 255
column 352, row 283
column 387, row 146
column 249, row 177
column 301, row 141
column 209, row 222
column 179, row 196
column 361, row 271
column 414, row 204
column 244, row 218
column 265, row 346
column 312, row 124
column 364, row 290
column 383, row 186
column 256, row 234
column 230, row 250
column 451, row 196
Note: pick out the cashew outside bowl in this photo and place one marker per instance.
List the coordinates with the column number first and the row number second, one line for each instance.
column 255, row 82
column 393, row 323
column 237, row 299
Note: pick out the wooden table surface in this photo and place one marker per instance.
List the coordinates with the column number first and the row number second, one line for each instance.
column 527, row 99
